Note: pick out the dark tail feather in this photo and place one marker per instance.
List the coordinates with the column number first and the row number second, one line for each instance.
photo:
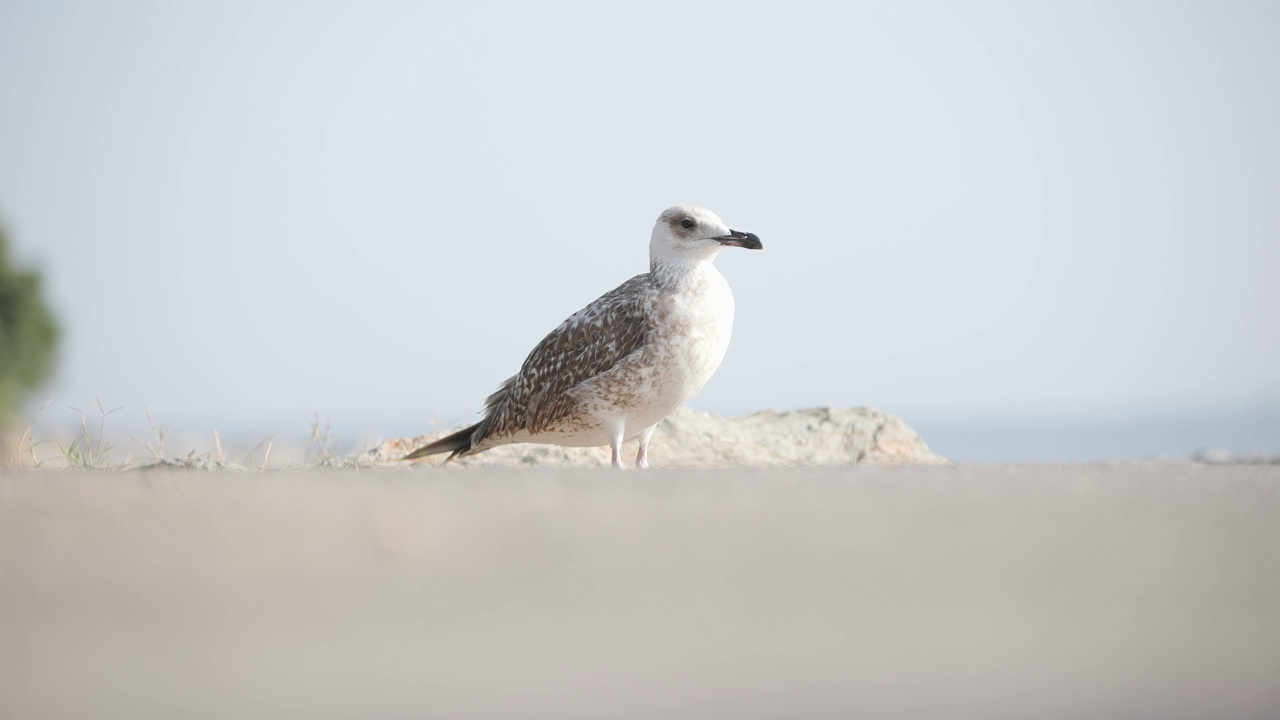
column 456, row 443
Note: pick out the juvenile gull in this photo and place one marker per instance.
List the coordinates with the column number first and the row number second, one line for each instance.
column 616, row 368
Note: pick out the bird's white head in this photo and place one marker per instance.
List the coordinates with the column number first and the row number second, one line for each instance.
column 685, row 232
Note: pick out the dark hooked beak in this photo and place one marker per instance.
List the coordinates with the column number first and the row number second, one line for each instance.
column 741, row 239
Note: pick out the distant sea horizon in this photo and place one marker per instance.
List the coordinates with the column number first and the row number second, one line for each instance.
column 1245, row 436
column 1249, row 437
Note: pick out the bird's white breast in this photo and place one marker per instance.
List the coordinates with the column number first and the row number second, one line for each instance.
column 692, row 340
column 691, row 326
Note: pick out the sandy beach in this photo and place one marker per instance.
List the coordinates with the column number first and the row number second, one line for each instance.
column 1135, row 590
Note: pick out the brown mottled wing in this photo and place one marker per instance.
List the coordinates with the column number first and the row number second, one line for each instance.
column 590, row 342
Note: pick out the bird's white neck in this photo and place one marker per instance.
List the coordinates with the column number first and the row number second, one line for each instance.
column 677, row 273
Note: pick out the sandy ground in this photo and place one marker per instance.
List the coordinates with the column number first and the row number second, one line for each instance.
column 1147, row 590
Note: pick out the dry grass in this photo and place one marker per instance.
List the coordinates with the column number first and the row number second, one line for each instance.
column 89, row 447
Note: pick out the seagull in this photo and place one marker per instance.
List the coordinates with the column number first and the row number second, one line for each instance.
column 613, row 370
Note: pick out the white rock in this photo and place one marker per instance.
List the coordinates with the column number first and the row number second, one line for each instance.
column 813, row 436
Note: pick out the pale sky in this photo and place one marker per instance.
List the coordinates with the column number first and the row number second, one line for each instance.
column 989, row 212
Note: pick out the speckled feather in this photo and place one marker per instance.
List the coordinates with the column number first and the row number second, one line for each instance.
column 590, row 342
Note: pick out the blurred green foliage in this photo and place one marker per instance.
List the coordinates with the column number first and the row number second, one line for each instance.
column 28, row 334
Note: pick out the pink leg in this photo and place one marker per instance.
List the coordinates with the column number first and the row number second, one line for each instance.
column 642, row 455
column 615, row 442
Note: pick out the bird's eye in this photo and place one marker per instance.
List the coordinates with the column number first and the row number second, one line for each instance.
column 687, row 223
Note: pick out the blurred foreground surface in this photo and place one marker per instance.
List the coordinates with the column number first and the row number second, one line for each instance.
column 1149, row 590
